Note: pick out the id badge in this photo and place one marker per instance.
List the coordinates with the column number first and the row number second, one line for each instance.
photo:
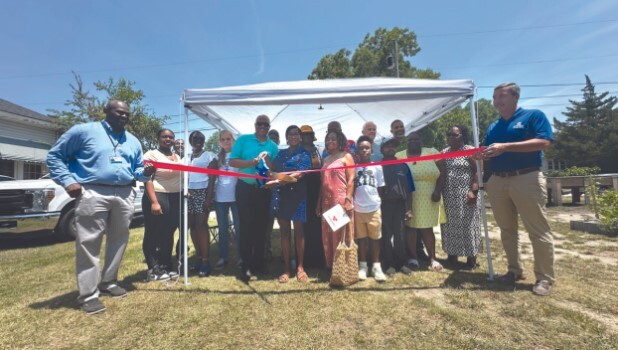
column 225, row 180
column 115, row 159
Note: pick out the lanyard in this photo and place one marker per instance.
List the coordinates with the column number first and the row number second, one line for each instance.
column 108, row 132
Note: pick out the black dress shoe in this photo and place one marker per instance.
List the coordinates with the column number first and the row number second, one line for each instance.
column 509, row 278
column 471, row 263
column 244, row 275
column 452, row 259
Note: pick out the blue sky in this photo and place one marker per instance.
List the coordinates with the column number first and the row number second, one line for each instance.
column 166, row 46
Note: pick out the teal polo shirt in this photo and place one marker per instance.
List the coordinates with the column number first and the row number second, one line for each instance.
column 248, row 147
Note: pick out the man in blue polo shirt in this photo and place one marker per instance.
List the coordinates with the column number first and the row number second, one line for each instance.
column 514, row 144
column 252, row 201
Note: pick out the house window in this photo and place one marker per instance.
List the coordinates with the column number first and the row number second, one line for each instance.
column 7, row 167
column 32, row 170
column 556, row 164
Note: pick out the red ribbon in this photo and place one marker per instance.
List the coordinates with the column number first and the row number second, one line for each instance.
column 189, row 168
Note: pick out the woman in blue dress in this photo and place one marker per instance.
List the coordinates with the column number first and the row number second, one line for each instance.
column 289, row 201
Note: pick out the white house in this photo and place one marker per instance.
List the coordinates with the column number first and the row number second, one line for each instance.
column 25, row 138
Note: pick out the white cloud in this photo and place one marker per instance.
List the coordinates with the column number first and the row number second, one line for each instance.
column 587, row 38
column 597, row 8
column 258, row 33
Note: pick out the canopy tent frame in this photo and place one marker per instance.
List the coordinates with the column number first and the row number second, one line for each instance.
column 416, row 102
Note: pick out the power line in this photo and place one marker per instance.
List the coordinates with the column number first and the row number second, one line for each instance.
column 550, row 85
column 516, row 29
column 557, row 96
column 286, row 52
column 530, row 62
column 182, row 121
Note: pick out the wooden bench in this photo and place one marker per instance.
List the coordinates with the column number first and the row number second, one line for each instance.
column 576, row 183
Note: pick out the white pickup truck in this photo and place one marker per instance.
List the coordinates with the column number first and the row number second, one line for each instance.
column 42, row 205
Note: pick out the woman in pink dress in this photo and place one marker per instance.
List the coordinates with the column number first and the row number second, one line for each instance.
column 337, row 188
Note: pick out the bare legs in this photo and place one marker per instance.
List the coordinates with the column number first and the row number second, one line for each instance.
column 428, row 239
column 285, row 227
column 374, row 246
column 198, row 225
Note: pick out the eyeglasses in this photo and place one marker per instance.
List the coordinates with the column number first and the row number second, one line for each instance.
column 263, row 124
column 452, row 134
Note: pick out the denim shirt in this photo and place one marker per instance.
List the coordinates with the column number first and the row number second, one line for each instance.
column 92, row 153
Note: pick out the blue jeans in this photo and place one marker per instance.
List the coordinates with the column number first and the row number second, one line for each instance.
column 222, row 210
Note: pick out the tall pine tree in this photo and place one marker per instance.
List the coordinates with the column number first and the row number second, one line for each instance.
column 588, row 135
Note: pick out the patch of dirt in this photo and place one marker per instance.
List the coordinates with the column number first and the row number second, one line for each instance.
column 433, row 294
column 609, row 258
column 563, row 214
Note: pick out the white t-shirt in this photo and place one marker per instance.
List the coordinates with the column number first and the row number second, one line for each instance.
column 198, row 180
column 366, row 182
column 225, row 190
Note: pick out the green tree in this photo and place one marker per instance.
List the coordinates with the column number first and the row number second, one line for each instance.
column 588, row 136
column 435, row 133
column 335, row 65
column 212, row 144
column 370, row 59
column 84, row 107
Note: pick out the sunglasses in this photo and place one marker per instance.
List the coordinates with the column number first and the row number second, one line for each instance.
column 452, row 134
column 262, row 124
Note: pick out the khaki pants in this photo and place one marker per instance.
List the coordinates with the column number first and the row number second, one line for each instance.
column 101, row 210
column 525, row 195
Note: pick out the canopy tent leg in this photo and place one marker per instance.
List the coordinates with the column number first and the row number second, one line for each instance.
column 185, row 186
column 481, row 194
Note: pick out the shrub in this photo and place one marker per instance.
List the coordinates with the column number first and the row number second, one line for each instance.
column 573, row 171
column 608, row 208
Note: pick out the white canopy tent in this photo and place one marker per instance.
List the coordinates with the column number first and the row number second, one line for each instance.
column 317, row 102
column 352, row 102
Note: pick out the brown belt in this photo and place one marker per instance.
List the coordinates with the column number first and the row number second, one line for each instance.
column 516, row 172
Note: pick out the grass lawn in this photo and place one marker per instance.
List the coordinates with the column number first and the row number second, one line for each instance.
column 448, row 310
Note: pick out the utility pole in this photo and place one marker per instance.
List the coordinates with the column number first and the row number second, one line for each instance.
column 396, row 58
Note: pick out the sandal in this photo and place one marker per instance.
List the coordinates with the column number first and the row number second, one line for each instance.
column 301, row 276
column 436, row 266
column 284, row 278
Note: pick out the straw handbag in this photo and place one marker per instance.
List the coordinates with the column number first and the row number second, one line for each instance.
column 345, row 263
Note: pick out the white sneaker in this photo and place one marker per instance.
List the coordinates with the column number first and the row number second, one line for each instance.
column 542, row 288
column 362, row 272
column 377, row 273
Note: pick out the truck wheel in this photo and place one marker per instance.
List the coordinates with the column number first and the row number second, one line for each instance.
column 66, row 230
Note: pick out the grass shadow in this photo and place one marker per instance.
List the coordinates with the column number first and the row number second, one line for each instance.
column 29, row 240
column 64, row 301
column 476, row 280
